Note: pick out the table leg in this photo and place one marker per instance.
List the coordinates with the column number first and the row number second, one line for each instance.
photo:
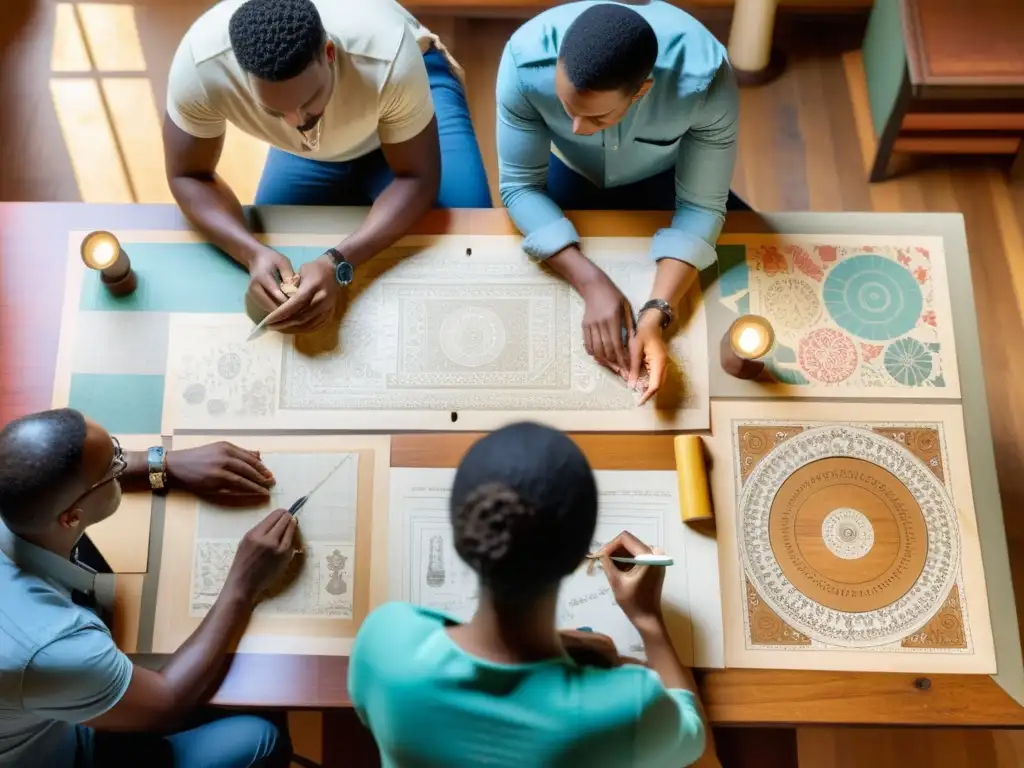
column 346, row 742
column 753, row 58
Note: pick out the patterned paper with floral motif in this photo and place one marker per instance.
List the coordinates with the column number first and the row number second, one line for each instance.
column 849, row 316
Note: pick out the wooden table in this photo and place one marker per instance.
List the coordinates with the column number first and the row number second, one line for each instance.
column 33, row 248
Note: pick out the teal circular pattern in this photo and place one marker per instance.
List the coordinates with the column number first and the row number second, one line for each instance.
column 908, row 361
column 873, row 297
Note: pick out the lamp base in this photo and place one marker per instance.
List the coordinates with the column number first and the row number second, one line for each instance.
column 121, row 286
column 737, row 366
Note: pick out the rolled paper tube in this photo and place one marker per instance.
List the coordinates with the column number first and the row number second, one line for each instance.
column 692, row 472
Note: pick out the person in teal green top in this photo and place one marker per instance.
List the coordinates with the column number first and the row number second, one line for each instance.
column 507, row 688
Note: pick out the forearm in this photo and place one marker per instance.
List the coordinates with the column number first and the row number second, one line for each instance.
column 393, row 213
column 193, row 672
column 672, row 280
column 136, row 473
column 577, row 269
column 212, row 208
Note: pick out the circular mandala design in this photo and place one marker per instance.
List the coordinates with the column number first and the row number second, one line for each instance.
column 827, row 355
column 229, row 365
column 908, row 361
column 194, row 394
column 216, row 407
column 913, row 561
column 472, row 336
column 847, row 533
column 873, row 297
column 792, row 303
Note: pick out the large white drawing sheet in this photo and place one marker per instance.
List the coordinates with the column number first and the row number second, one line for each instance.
column 321, row 582
column 434, row 338
column 425, row 569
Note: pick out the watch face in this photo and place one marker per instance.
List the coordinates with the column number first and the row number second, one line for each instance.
column 343, row 273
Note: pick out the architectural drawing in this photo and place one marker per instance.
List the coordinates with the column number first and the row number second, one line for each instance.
column 435, row 562
column 852, row 316
column 319, row 580
column 433, row 328
column 421, row 536
column 433, row 338
column 849, row 537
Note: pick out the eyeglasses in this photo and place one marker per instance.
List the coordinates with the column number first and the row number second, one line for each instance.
column 118, row 464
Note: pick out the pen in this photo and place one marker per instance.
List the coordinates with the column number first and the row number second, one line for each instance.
column 645, row 559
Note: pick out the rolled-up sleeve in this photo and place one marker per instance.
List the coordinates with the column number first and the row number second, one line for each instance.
column 524, row 148
column 704, row 166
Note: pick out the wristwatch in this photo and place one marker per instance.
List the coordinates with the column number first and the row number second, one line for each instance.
column 343, row 270
column 667, row 315
column 157, row 459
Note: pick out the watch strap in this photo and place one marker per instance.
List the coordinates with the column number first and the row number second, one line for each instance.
column 667, row 313
column 156, row 457
column 343, row 270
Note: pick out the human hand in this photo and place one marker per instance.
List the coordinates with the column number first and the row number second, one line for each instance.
column 605, row 312
column 219, row 468
column 647, row 350
column 590, row 649
column 637, row 588
column 312, row 306
column 265, row 266
column 262, row 555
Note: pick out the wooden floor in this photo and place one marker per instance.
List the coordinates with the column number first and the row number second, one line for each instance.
column 83, row 84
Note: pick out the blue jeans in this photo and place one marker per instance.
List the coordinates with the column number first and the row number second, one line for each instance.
column 572, row 192
column 234, row 741
column 292, row 180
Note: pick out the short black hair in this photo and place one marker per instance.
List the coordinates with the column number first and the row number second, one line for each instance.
column 608, row 47
column 38, row 453
column 524, row 509
column 276, row 40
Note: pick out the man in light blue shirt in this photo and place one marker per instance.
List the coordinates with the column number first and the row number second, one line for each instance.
column 69, row 698
column 607, row 106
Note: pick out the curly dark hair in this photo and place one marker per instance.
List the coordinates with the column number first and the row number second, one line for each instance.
column 608, row 47
column 524, row 509
column 276, row 40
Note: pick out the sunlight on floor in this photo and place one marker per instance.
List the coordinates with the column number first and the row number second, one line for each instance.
column 111, row 123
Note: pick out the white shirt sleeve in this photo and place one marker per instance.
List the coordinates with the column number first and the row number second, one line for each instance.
column 77, row 677
column 406, row 106
column 188, row 105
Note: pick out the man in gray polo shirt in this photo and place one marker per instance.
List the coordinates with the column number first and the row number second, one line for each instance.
column 68, row 696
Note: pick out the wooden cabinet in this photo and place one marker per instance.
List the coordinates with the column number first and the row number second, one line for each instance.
column 945, row 77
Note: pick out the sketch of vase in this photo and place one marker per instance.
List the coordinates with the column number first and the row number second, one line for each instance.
column 336, row 565
column 435, row 563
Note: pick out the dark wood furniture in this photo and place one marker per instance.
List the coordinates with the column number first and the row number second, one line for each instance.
column 945, row 77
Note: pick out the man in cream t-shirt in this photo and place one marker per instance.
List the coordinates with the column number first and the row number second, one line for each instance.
column 361, row 105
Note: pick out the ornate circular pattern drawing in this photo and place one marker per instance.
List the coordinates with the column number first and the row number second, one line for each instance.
column 908, row 361
column 873, row 297
column 194, row 393
column 792, row 303
column 827, row 355
column 229, row 365
column 847, row 533
column 893, row 588
column 472, row 336
column 216, row 407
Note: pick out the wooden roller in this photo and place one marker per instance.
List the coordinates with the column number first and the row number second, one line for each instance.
column 692, row 473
